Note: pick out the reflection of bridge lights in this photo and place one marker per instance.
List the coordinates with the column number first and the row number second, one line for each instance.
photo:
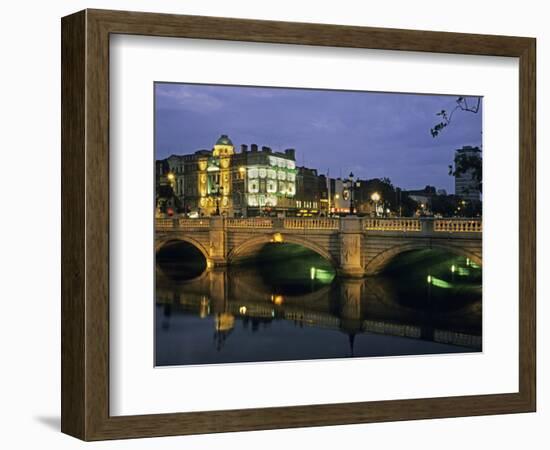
column 204, row 308
column 224, row 322
column 437, row 282
column 453, row 268
column 324, row 276
column 277, row 299
column 467, row 261
column 312, row 273
column 209, row 264
column 242, row 310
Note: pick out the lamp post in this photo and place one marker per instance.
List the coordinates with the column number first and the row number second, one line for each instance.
column 375, row 197
column 351, row 193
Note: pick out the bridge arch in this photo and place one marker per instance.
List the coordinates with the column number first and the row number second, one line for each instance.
column 382, row 259
column 250, row 246
column 167, row 240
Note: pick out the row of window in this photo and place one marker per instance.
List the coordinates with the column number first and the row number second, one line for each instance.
column 271, row 186
column 262, row 200
column 281, row 162
column 271, row 174
column 306, row 204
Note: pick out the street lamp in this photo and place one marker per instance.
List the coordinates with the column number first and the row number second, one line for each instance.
column 351, row 185
column 171, row 180
column 375, row 197
column 351, row 189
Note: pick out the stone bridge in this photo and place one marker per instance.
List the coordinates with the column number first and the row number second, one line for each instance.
column 354, row 246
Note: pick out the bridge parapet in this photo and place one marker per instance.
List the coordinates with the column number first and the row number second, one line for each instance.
column 251, row 222
column 180, row 222
column 311, row 224
column 392, row 225
column 297, row 223
column 458, row 225
column 424, row 225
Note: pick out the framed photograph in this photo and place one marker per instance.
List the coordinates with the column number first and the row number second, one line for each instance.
column 272, row 225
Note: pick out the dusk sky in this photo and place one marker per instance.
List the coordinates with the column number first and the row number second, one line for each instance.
column 374, row 135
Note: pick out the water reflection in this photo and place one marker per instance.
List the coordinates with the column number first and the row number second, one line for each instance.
column 297, row 309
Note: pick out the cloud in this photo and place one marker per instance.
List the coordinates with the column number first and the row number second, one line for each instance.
column 329, row 124
column 185, row 97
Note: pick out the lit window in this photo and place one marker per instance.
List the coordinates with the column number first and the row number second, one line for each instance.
column 252, row 200
column 253, row 186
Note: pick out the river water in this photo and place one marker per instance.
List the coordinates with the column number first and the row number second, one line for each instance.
column 287, row 304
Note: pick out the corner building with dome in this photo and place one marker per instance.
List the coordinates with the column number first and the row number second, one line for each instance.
column 250, row 182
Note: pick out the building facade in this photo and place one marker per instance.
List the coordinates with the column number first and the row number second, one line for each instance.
column 466, row 184
column 223, row 181
column 311, row 193
column 339, row 196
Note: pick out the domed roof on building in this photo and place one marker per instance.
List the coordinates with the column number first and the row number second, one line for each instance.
column 224, row 140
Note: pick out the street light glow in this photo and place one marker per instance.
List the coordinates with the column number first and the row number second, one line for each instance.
column 375, row 197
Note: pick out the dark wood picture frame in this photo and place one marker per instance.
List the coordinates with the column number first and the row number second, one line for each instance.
column 85, row 224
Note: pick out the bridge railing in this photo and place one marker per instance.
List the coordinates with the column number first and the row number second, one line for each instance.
column 193, row 223
column 458, row 225
column 250, row 222
column 164, row 223
column 297, row 223
column 392, row 224
column 293, row 223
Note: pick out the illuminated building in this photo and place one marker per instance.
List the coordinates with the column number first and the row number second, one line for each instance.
column 222, row 181
column 270, row 183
